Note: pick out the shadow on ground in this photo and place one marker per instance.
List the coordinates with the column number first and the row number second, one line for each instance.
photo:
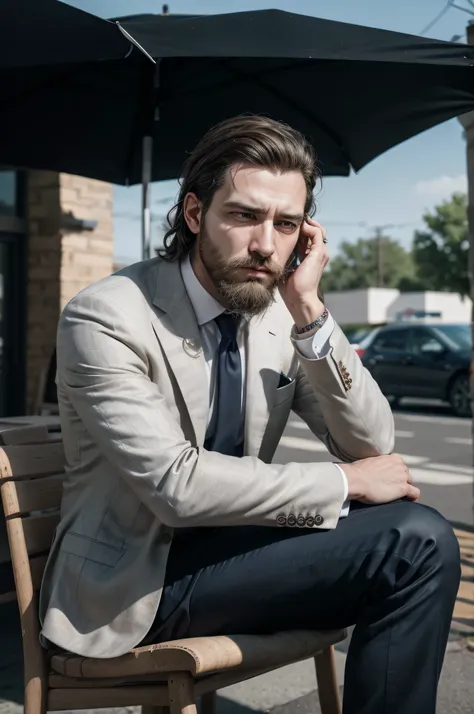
column 425, row 407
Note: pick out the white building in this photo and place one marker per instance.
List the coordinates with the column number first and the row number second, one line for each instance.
column 373, row 306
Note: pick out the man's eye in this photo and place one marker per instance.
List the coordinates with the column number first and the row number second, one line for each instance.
column 243, row 216
column 288, row 225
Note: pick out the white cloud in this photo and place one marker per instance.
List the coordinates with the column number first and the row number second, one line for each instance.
column 441, row 187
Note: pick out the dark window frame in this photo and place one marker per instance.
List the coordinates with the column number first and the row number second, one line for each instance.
column 13, row 368
column 13, row 376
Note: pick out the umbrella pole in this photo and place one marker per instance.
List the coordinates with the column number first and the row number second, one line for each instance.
column 147, row 155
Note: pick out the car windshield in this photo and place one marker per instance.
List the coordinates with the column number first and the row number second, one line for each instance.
column 357, row 336
column 458, row 336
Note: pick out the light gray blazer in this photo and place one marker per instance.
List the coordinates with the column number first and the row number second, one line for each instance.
column 134, row 400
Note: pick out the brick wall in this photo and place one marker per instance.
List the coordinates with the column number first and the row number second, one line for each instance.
column 61, row 259
column 87, row 256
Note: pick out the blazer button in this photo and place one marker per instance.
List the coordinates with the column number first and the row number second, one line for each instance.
column 309, row 521
column 281, row 519
column 319, row 520
column 166, row 538
column 291, row 520
column 301, row 521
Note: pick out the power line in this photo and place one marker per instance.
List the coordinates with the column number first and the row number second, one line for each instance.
column 438, row 17
column 464, row 9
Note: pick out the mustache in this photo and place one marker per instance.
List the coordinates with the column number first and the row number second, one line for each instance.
column 256, row 263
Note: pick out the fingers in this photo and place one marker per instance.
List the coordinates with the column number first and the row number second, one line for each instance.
column 413, row 493
column 314, row 230
column 405, row 467
column 313, row 240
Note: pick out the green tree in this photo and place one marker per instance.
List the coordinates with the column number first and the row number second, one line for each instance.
column 369, row 263
column 440, row 253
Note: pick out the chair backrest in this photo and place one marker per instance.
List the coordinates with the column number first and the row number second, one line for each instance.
column 31, row 482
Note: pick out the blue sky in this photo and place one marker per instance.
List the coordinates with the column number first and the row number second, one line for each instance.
column 395, row 189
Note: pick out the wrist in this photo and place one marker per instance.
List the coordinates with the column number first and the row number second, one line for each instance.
column 306, row 311
column 355, row 489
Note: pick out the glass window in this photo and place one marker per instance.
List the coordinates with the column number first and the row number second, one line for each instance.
column 458, row 336
column 12, row 333
column 8, row 193
column 2, row 290
column 391, row 341
column 3, row 268
column 424, row 342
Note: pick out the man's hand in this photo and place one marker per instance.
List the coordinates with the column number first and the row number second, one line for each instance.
column 300, row 289
column 380, row 479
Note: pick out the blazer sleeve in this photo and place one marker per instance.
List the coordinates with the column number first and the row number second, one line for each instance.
column 103, row 373
column 342, row 404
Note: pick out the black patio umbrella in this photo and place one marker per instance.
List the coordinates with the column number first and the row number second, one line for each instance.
column 73, row 90
column 353, row 91
column 48, row 32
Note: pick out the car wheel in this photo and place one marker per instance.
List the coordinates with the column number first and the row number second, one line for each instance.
column 460, row 397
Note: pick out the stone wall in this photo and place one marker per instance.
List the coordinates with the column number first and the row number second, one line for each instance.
column 62, row 258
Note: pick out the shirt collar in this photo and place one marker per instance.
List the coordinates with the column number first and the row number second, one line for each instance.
column 206, row 308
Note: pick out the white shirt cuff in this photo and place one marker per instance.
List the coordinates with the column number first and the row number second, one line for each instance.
column 317, row 345
column 347, row 504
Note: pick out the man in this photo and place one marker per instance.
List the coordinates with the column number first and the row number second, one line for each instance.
column 176, row 377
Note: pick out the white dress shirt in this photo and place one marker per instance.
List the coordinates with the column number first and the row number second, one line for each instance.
column 206, row 309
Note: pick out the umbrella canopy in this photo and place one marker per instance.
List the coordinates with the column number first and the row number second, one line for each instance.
column 353, row 91
column 74, row 91
column 48, row 32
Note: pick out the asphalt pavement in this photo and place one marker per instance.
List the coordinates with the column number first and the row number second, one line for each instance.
column 437, row 448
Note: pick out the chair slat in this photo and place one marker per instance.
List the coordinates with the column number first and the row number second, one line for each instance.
column 14, row 435
column 39, row 494
column 7, row 597
column 39, row 532
column 32, row 461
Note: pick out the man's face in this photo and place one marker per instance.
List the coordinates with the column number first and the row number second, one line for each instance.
column 247, row 235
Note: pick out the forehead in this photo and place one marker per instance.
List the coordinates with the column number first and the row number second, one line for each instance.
column 264, row 188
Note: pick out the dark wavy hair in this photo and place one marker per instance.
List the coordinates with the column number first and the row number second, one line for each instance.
column 254, row 140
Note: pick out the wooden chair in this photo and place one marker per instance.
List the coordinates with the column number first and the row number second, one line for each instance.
column 162, row 678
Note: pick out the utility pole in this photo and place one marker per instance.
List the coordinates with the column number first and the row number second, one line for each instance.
column 378, row 253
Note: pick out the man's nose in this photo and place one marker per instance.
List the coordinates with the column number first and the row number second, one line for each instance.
column 263, row 239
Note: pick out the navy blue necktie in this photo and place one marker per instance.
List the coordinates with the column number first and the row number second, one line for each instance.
column 225, row 438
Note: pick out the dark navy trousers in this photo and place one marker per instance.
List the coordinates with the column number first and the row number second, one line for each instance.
column 392, row 571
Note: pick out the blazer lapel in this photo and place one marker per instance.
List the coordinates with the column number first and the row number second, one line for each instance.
column 263, row 374
column 178, row 332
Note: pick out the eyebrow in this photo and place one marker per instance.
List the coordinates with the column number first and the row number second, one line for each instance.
column 261, row 211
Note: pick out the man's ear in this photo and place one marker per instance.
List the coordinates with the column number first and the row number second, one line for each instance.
column 192, row 209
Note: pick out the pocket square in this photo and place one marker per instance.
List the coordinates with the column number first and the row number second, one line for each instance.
column 284, row 380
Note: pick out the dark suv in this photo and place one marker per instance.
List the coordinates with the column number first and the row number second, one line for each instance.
column 420, row 360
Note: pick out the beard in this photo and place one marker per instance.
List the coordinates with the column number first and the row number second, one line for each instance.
column 244, row 295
